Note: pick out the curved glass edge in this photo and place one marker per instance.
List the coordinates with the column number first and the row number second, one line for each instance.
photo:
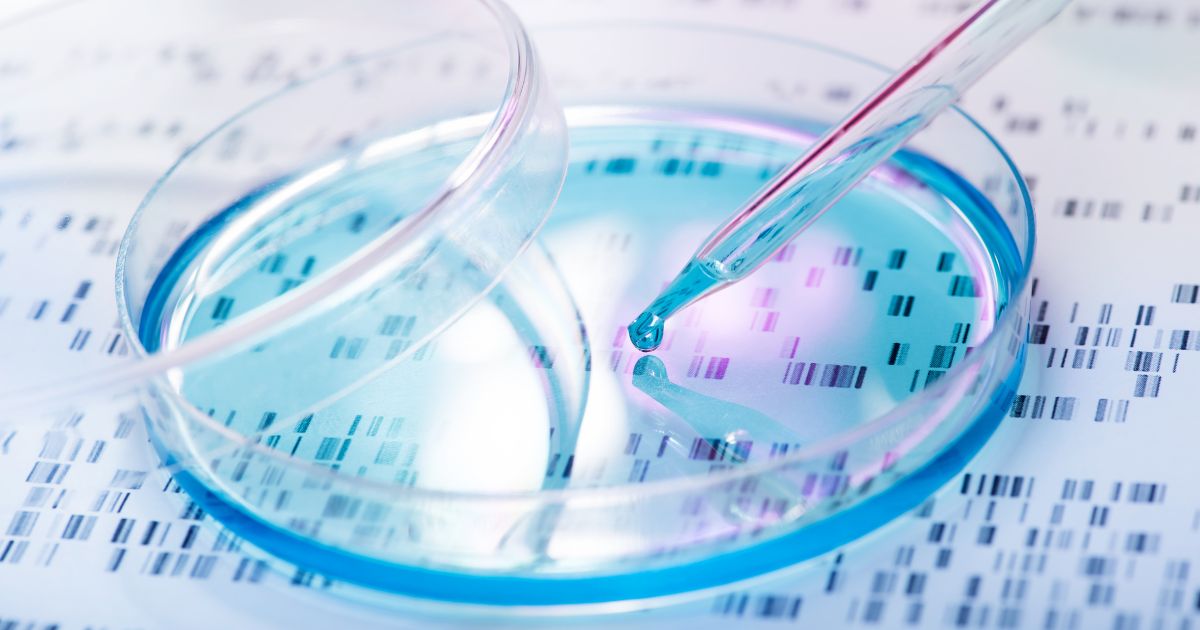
column 576, row 594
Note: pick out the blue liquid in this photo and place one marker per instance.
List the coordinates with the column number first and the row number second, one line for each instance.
column 891, row 289
column 866, row 309
column 791, row 338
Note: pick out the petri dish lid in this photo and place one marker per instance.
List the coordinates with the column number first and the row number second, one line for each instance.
column 382, row 79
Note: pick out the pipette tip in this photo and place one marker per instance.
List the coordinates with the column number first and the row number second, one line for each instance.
column 693, row 283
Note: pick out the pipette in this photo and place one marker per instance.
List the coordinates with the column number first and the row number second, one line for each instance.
column 844, row 155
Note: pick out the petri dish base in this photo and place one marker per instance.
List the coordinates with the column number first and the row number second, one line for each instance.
column 525, row 455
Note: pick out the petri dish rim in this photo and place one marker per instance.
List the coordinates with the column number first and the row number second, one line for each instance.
column 954, row 377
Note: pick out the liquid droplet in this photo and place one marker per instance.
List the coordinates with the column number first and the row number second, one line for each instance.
column 646, row 332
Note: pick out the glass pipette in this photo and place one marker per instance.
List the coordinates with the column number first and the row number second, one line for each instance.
column 845, row 154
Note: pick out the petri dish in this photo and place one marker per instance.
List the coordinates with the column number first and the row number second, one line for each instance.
column 442, row 413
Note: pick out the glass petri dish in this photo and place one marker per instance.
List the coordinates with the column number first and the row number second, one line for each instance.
column 437, row 424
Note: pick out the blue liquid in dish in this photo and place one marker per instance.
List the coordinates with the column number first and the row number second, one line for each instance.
column 877, row 301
